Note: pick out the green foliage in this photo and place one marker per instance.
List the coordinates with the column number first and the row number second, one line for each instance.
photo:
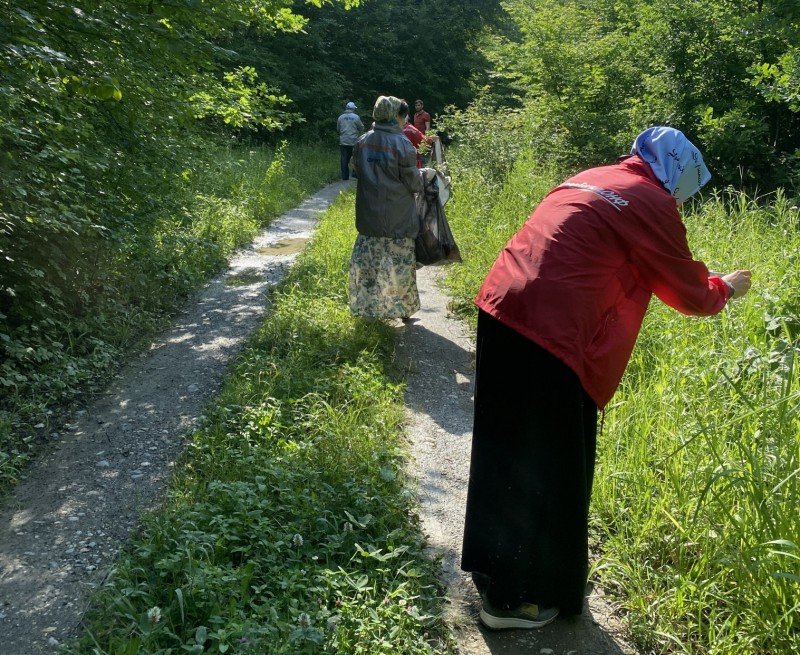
column 288, row 529
column 110, row 211
column 239, row 102
column 694, row 509
column 420, row 49
column 780, row 82
column 587, row 76
column 135, row 280
column 698, row 469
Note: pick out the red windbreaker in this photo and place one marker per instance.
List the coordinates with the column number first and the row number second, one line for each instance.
column 416, row 137
column 578, row 276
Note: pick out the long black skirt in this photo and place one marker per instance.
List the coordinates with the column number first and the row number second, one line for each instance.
column 533, row 454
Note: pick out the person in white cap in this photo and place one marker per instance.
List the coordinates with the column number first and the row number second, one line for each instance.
column 350, row 128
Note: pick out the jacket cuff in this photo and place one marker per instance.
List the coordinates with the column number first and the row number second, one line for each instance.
column 726, row 290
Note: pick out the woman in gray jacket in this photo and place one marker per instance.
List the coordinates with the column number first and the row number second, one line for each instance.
column 383, row 281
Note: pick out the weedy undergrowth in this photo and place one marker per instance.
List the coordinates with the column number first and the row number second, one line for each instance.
column 124, row 285
column 289, row 527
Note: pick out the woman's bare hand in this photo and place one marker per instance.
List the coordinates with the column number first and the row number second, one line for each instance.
column 740, row 281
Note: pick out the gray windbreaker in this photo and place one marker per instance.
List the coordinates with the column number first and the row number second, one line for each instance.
column 388, row 177
column 350, row 127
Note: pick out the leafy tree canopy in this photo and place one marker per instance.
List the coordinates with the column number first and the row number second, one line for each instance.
column 588, row 75
column 412, row 49
column 99, row 133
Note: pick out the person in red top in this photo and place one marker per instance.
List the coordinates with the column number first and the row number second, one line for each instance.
column 422, row 119
column 412, row 133
column 559, row 314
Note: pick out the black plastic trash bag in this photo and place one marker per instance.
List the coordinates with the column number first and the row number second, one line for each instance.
column 435, row 243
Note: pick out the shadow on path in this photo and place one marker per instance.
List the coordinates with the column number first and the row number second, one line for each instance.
column 442, row 373
column 438, row 354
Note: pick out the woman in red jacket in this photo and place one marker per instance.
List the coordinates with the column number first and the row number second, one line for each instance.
column 559, row 313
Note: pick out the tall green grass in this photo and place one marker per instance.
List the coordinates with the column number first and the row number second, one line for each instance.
column 695, row 507
column 697, row 494
column 289, row 528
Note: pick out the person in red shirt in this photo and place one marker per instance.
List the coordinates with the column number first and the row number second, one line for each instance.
column 412, row 133
column 422, row 119
column 559, row 314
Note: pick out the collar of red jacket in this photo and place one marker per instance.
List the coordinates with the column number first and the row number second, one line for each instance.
column 635, row 164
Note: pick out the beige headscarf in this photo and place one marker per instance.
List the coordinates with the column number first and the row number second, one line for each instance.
column 386, row 108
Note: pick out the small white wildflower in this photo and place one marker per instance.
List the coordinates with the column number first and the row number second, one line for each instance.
column 304, row 620
column 348, row 527
column 154, row 614
column 297, row 540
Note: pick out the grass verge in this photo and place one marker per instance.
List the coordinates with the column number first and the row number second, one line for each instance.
column 697, row 495
column 139, row 279
column 289, row 528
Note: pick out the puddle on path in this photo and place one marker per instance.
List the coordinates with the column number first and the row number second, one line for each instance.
column 285, row 247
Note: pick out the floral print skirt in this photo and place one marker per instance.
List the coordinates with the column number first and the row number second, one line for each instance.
column 383, row 278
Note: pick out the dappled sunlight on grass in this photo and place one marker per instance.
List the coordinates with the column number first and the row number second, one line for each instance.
column 696, row 492
column 289, row 528
column 141, row 278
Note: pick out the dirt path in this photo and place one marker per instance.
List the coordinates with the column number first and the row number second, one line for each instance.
column 61, row 529
column 440, row 357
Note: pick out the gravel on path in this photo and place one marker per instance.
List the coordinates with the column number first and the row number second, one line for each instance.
column 439, row 355
column 64, row 523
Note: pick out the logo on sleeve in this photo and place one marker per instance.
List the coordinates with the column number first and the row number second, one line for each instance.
column 611, row 197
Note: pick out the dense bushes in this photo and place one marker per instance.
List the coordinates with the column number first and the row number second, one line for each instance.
column 422, row 49
column 581, row 79
column 118, row 188
column 137, row 279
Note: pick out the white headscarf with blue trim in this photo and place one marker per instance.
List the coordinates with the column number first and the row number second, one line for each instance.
column 675, row 161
